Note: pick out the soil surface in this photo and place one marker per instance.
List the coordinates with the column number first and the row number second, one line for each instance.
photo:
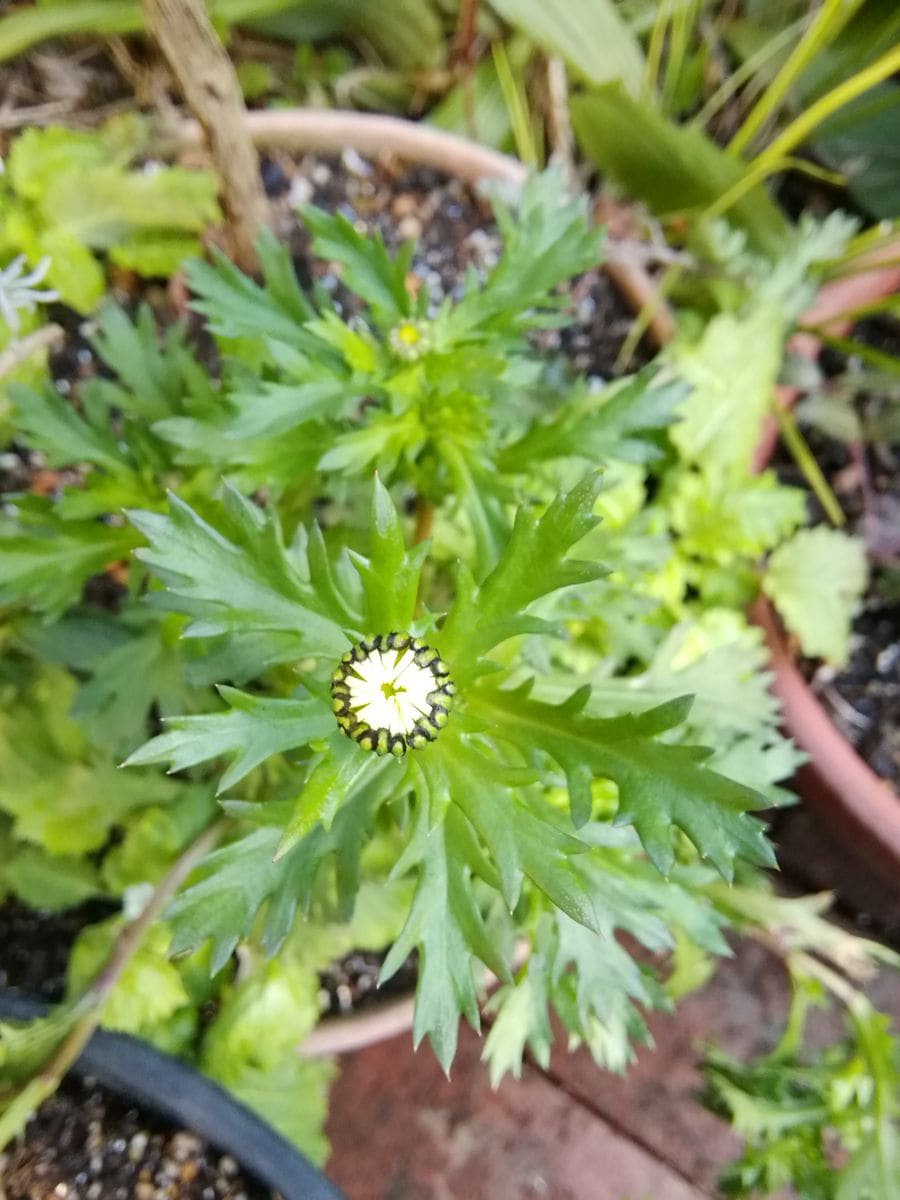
column 87, row 1144
column 351, row 983
column 453, row 230
column 35, row 946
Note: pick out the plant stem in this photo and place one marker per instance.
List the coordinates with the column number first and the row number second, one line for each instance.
column 18, row 352
column 806, row 461
column 122, row 952
column 206, row 76
column 424, row 519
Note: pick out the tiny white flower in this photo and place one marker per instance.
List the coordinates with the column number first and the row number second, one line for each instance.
column 18, row 292
column 392, row 693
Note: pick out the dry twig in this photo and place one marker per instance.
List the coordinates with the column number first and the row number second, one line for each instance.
column 207, row 79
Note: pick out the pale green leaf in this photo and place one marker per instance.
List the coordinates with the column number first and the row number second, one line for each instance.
column 815, row 581
column 731, row 389
column 590, row 35
column 149, row 989
column 534, row 563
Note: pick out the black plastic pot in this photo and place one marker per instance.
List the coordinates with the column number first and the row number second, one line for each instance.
column 161, row 1084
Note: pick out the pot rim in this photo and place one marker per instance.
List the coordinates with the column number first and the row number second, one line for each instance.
column 837, row 782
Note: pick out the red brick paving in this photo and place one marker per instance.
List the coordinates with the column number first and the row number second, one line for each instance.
column 401, row 1131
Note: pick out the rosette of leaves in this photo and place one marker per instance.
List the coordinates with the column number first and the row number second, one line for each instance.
column 427, row 389
column 303, row 401
column 505, row 813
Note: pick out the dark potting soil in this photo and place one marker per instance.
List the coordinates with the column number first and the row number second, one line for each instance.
column 35, row 946
column 351, row 983
column 85, row 1143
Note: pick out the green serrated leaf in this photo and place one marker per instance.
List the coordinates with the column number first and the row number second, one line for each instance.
column 731, row 390
column 224, row 896
column 725, row 520
column 534, row 563
column 238, row 579
column 253, row 729
column 546, row 242
column 522, row 1020
column 447, row 927
column 52, row 425
column 662, row 787
column 331, row 780
column 618, row 422
column 235, row 306
column 390, row 575
column 46, row 567
column 367, row 268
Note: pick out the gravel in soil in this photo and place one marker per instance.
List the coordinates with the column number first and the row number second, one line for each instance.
column 453, row 230
column 87, row 1144
column 351, row 983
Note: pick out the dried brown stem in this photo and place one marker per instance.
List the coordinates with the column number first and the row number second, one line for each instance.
column 206, row 77
column 424, row 519
column 91, row 1004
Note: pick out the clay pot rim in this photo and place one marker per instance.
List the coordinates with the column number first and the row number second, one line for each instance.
column 837, row 783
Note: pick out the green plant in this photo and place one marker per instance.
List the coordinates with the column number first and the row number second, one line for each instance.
column 821, row 1119
column 453, row 712
column 66, row 195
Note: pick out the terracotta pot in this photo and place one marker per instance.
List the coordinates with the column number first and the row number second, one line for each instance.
column 837, row 783
column 856, row 803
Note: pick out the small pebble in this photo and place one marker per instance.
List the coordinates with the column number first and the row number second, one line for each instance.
column 301, row 191
column 274, row 180
column 183, row 1145
column 404, row 205
column 410, row 228
column 355, row 163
